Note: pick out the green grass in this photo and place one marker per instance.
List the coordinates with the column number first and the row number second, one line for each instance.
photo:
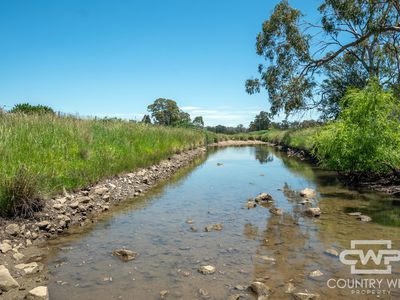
column 294, row 138
column 71, row 153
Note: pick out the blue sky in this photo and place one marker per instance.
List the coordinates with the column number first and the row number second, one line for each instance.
column 113, row 58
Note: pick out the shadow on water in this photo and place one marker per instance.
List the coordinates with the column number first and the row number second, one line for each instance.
column 253, row 245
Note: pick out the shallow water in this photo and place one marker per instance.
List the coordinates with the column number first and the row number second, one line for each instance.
column 81, row 265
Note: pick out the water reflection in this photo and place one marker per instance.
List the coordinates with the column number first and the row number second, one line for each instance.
column 252, row 245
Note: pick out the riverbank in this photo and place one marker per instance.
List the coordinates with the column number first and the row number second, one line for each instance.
column 21, row 239
column 299, row 143
column 43, row 154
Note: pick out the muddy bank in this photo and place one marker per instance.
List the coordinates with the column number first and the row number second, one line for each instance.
column 23, row 241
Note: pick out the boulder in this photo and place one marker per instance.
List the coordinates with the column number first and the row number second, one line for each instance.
column 206, row 270
column 12, row 229
column 213, row 227
column 38, row 293
column 264, row 197
column 313, row 211
column 7, row 282
column 124, row 254
column 308, row 193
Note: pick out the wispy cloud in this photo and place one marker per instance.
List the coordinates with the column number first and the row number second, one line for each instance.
column 223, row 115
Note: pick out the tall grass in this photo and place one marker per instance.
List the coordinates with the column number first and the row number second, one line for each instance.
column 70, row 152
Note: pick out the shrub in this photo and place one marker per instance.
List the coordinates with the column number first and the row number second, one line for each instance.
column 366, row 136
column 28, row 109
column 19, row 195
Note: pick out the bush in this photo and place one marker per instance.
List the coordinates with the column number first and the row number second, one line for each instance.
column 20, row 195
column 26, row 108
column 366, row 136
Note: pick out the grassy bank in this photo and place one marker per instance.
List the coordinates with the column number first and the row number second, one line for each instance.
column 295, row 138
column 51, row 152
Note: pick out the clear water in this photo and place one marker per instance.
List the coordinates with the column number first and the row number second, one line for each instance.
column 81, row 265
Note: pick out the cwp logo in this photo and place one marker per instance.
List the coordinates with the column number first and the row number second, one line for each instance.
column 382, row 258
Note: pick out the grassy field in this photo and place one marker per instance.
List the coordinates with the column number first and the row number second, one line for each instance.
column 51, row 152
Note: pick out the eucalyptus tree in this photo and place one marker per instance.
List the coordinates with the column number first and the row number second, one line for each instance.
column 311, row 65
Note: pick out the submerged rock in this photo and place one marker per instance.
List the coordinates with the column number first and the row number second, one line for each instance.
column 276, row 211
column 306, row 296
column 331, row 252
column 213, row 227
column 206, row 270
column 290, row 288
column 264, row 197
column 124, row 254
column 38, row 293
column 260, row 289
column 164, row 294
column 7, row 282
column 308, row 193
column 313, row 211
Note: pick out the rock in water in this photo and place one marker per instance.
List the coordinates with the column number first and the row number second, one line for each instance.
column 308, row 193
column 250, row 204
column 331, row 252
column 260, row 289
column 213, row 227
column 125, row 255
column 313, row 211
column 206, row 270
column 7, row 282
column 306, row 296
column 38, row 293
column 264, row 197
column 316, row 273
column 364, row 218
column 276, row 211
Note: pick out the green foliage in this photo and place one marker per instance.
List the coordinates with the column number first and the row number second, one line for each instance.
column 198, row 122
column 19, row 195
column 70, row 152
column 26, row 108
column 352, row 41
column 166, row 112
column 146, row 119
column 366, row 136
column 261, row 122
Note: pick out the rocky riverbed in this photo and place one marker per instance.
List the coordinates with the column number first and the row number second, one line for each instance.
column 22, row 241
